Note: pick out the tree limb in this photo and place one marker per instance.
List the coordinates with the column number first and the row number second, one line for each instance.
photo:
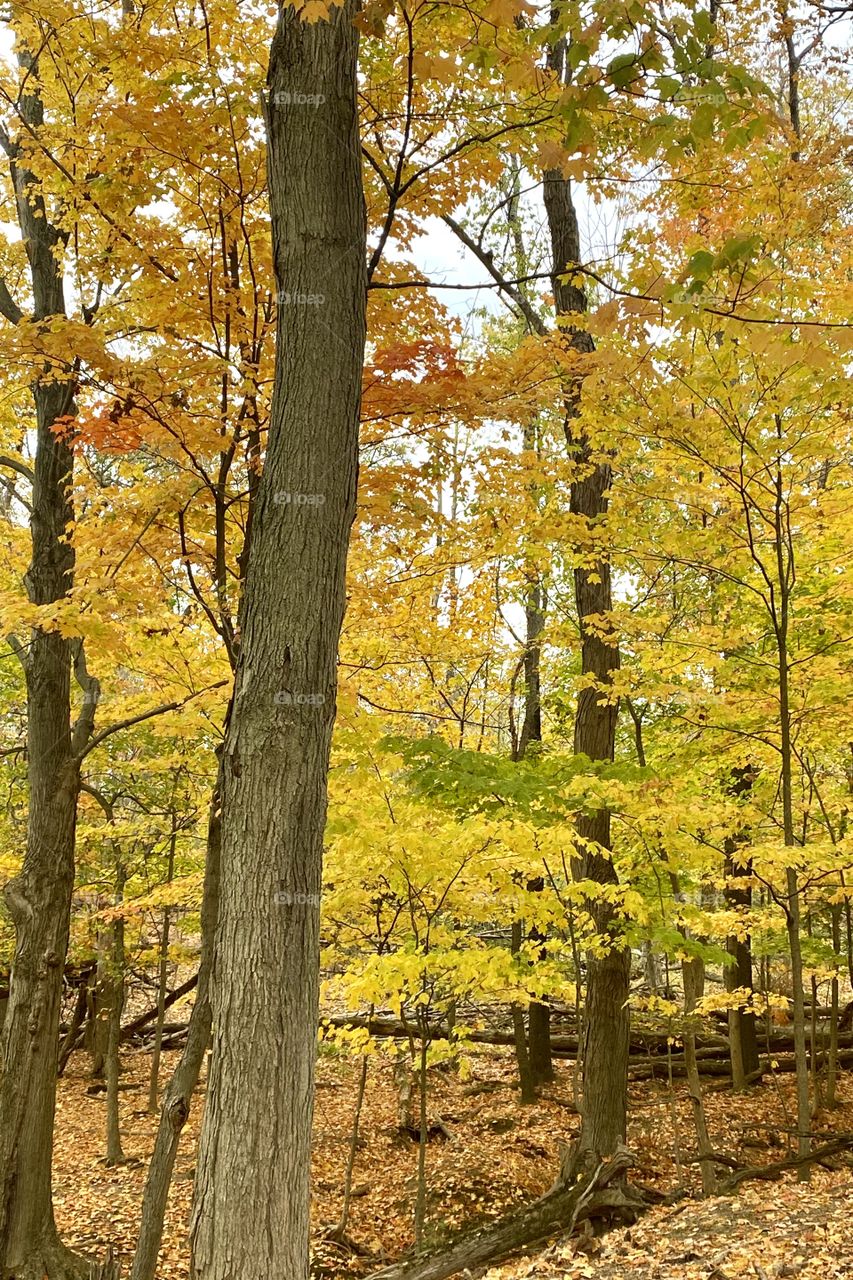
column 8, row 306
column 98, row 738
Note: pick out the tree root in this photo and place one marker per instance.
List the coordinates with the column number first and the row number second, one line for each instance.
column 597, row 1193
column 769, row 1172
column 53, row 1260
column 600, row 1193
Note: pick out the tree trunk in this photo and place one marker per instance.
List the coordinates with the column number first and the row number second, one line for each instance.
column 69, row 1041
column 340, row 1230
column 798, row 1013
column 605, row 1051
column 780, row 613
column 162, row 981
column 115, row 1155
column 539, row 1042
column 403, row 1085
column 98, row 1028
column 743, row 1033
column 540, row 1065
column 175, row 1108
column 834, row 1002
column 605, row 1054
column 39, row 899
column 522, row 1056
column 740, row 975
column 519, row 1032
column 423, row 1139
column 250, row 1215
column 692, row 971
column 792, row 901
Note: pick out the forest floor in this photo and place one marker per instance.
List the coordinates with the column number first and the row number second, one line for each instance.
column 497, row 1154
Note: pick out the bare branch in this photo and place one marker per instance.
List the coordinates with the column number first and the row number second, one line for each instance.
column 19, row 649
column 145, row 715
column 483, row 256
column 13, row 463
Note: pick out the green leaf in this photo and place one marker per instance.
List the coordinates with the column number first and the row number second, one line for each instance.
column 667, row 87
column 740, row 248
column 624, row 70
column 703, row 121
column 701, row 264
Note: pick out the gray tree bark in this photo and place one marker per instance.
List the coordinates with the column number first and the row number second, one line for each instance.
column 39, row 899
column 250, row 1217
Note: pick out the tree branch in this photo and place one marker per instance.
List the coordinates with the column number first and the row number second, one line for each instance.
column 483, row 256
column 8, row 306
column 145, row 715
column 12, row 463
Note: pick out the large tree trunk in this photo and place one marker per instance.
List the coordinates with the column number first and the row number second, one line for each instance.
column 39, row 899
column 539, row 1036
column 250, row 1216
column 743, row 1032
column 605, row 1054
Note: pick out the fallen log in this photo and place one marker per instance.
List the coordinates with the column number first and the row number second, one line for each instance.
column 659, row 1068
column 770, row 1172
column 643, row 1041
column 169, row 1029
column 130, row 1029
column 176, row 1041
column 602, row 1192
column 562, row 1046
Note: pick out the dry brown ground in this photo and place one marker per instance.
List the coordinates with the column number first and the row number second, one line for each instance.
column 498, row 1155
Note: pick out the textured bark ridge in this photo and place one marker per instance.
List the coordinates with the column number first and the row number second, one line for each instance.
column 250, row 1218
